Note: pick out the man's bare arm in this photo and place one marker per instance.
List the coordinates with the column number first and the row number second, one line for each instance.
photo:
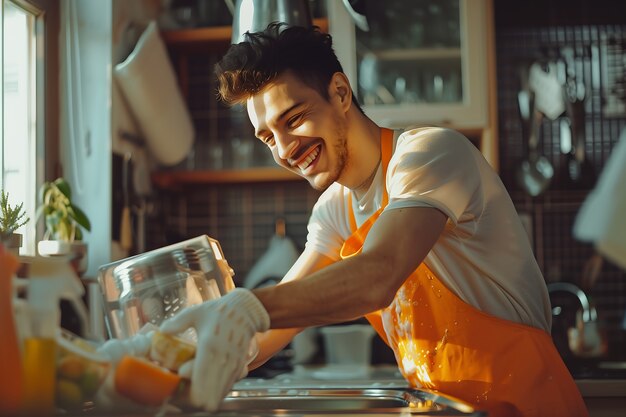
column 396, row 245
column 273, row 341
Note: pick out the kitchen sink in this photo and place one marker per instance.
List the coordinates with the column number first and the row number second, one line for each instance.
column 300, row 401
column 292, row 402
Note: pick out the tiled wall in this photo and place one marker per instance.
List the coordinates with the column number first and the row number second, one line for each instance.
column 242, row 216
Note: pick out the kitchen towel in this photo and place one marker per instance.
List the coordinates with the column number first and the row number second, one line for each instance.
column 149, row 84
column 602, row 217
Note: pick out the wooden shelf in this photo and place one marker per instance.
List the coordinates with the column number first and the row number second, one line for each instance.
column 179, row 179
column 418, row 54
column 213, row 34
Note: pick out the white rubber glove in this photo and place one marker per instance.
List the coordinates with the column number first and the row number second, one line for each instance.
column 113, row 350
column 137, row 345
column 226, row 328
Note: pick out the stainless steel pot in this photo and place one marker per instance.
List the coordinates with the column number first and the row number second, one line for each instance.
column 154, row 286
column 255, row 15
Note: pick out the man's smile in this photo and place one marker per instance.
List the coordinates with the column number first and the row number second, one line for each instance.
column 305, row 160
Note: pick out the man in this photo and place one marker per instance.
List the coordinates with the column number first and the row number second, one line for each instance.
column 414, row 231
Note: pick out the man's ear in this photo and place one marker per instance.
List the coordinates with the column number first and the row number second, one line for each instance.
column 340, row 90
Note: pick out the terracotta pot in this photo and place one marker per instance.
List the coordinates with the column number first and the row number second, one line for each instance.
column 13, row 243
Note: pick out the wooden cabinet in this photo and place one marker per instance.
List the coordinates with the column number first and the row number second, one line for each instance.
column 423, row 62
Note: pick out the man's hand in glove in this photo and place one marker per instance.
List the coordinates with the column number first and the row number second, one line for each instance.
column 137, row 345
column 114, row 350
column 225, row 328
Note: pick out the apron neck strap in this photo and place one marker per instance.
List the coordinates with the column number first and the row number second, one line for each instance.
column 386, row 148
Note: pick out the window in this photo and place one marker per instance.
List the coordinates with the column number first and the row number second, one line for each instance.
column 22, row 98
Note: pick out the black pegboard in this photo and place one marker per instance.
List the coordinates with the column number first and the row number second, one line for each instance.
column 553, row 213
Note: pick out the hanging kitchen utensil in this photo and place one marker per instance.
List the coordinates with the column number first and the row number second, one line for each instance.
column 568, row 165
column 575, row 169
column 535, row 172
column 581, row 170
column 543, row 81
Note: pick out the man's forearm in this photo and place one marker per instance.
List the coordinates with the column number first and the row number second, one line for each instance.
column 340, row 292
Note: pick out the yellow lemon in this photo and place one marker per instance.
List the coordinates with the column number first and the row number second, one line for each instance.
column 171, row 351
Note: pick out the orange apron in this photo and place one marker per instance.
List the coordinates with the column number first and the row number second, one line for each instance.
column 442, row 343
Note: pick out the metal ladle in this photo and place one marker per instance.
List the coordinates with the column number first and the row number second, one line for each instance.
column 535, row 172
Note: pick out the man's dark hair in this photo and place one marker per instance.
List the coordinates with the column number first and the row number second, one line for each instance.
column 250, row 65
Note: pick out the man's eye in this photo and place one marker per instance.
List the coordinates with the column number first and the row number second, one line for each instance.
column 269, row 140
column 294, row 121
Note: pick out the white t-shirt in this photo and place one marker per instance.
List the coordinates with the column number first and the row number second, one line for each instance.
column 483, row 256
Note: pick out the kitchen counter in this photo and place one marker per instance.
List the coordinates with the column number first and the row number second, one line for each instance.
column 602, row 387
column 604, row 398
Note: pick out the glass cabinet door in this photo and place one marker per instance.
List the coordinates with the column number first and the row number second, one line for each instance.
column 419, row 61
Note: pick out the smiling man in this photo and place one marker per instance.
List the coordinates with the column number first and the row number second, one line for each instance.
column 413, row 231
column 307, row 136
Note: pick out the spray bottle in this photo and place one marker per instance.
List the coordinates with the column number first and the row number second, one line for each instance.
column 49, row 281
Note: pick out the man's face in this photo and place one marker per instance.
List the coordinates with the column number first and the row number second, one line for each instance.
column 305, row 132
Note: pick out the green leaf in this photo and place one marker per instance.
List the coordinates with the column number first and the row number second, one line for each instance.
column 64, row 187
column 80, row 217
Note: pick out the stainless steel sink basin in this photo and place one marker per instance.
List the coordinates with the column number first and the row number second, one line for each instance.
column 299, row 402
column 338, row 401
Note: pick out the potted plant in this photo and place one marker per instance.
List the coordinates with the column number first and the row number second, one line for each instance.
column 11, row 219
column 64, row 222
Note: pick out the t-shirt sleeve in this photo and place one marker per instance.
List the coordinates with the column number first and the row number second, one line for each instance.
column 433, row 167
column 326, row 230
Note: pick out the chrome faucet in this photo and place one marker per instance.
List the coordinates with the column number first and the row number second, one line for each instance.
column 589, row 312
column 585, row 338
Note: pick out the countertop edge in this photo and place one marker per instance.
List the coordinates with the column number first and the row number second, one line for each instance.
column 602, row 387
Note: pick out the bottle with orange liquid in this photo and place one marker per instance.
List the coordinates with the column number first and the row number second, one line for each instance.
column 10, row 358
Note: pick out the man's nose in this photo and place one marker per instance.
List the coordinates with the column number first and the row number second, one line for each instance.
column 286, row 144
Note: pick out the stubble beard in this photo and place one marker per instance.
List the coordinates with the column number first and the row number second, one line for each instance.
column 341, row 152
